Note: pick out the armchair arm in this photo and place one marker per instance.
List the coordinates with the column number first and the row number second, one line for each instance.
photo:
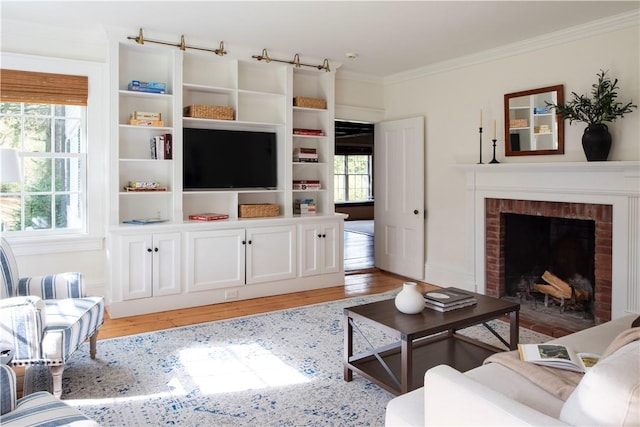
column 22, row 323
column 54, row 286
column 452, row 398
column 7, row 389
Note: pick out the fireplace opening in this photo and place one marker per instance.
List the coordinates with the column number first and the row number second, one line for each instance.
column 550, row 262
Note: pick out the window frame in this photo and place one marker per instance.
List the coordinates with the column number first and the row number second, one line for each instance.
column 347, row 174
column 53, row 156
column 92, row 238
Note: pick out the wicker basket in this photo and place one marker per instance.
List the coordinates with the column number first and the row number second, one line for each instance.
column 518, row 123
column 258, row 210
column 208, row 112
column 303, row 101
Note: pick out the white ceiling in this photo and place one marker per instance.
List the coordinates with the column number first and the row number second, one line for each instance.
column 389, row 37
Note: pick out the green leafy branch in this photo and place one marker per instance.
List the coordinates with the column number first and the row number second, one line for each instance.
column 600, row 107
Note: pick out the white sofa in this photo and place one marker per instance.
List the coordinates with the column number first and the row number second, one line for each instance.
column 492, row 394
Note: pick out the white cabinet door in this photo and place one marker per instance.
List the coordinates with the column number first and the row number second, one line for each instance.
column 150, row 265
column 320, row 248
column 166, row 264
column 215, row 259
column 136, row 262
column 331, row 250
column 271, row 253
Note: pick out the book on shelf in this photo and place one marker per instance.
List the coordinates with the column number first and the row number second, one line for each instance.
column 144, row 221
column 448, row 297
column 305, row 155
column 161, row 147
column 145, row 115
column 146, row 122
column 143, row 184
column 127, row 188
column 444, row 309
column 149, row 87
column 208, row 216
column 309, row 132
column 306, row 184
column 304, row 207
column 557, row 356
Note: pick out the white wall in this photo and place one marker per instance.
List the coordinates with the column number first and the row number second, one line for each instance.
column 451, row 101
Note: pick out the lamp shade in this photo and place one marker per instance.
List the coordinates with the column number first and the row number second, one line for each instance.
column 9, row 165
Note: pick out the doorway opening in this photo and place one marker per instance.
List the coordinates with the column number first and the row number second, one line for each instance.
column 353, row 191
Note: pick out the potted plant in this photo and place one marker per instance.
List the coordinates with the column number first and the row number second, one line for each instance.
column 594, row 111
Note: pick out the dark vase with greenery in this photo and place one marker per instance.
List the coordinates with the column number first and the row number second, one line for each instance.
column 594, row 111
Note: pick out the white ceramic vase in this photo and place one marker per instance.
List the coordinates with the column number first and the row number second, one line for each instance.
column 410, row 299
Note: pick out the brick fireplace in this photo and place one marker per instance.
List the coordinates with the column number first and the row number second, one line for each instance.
column 607, row 193
column 495, row 243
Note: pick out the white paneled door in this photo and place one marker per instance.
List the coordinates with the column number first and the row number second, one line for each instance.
column 399, row 197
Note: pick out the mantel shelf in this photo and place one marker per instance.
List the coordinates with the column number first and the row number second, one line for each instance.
column 613, row 166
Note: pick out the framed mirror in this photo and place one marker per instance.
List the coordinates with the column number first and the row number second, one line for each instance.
column 531, row 127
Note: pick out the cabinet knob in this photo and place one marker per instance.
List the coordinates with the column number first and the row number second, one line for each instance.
column 319, row 236
column 148, row 249
column 155, row 249
column 416, row 211
column 249, row 241
column 244, row 242
column 324, row 236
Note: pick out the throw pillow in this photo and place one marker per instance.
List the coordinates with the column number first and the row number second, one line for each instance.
column 609, row 393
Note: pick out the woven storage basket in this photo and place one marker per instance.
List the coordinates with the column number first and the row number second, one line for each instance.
column 258, row 210
column 208, row 112
column 518, row 123
column 303, row 101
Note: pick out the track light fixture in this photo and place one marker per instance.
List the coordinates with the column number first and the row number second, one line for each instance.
column 182, row 45
column 295, row 62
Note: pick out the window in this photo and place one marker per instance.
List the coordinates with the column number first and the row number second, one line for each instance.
column 51, row 140
column 352, row 177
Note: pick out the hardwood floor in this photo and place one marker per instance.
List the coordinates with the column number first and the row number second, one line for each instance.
column 366, row 283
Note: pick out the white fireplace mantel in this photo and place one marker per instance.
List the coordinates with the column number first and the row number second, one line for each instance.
column 615, row 183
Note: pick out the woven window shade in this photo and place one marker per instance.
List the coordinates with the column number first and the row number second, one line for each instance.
column 45, row 88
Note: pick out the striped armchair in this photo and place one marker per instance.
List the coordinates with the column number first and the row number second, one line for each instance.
column 46, row 318
column 36, row 409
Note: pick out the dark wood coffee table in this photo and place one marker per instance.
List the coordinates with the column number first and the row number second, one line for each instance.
column 425, row 340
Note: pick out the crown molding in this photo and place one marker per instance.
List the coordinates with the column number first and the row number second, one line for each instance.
column 361, row 77
column 601, row 26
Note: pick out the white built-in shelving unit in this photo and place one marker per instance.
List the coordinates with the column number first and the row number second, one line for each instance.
column 180, row 263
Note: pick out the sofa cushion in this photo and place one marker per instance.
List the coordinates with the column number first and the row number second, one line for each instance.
column 609, row 393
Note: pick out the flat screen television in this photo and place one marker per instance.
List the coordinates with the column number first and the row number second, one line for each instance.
column 215, row 159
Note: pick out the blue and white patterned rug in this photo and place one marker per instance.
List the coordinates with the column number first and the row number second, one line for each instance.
column 283, row 368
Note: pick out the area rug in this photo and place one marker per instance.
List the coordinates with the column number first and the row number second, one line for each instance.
column 283, row 368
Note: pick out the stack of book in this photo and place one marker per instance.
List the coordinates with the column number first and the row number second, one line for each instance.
column 308, row 132
column 148, row 87
column 144, row 186
column 304, row 207
column 143, row 118
column 305, row 155
column 448, row 299
column 306, row 184
column 161, row 147
column 208, row 216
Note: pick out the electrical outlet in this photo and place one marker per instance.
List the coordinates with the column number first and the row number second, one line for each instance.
column 232, row 294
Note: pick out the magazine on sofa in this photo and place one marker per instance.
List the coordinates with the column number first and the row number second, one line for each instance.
column 557, row 356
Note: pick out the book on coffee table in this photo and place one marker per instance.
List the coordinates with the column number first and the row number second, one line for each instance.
column 448, row 297
column 450, row 307
column 557, row 356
